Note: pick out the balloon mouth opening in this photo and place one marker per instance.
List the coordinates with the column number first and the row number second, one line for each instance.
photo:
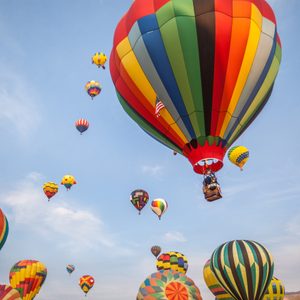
column 212, row 164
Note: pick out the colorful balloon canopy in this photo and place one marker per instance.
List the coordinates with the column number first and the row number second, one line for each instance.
column 82, row 125
column 50, row 189
column 213, row 284
column 27, row 276
column 70, row 269
column 275, row 290
column 8, row 293
column 243, row 268
column 238, row 155
column 4, row 228
column 159, row 207
column 99, row 59
column 168, row 285
column 155, row 250
column 86, row 282
column 212, row 64
column 68, row 181
column 139, row 199
column 93, row 88
column 172, row 261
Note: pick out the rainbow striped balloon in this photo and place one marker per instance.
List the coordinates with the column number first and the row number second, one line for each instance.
column 8, row 293
column 93, row 88
column 159, row 207
column 4, row 228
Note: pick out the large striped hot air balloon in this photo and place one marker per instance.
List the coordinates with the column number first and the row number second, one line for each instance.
column 243, row 268
column 208, row 66
column 3, row 228
column 27, row 276
column 8, row 293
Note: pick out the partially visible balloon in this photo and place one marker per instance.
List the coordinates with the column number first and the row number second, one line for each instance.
column 50, row 189
column 168, row 285
column 99, row 59
column 93, row 88
column 238, row 155
column 155, row 250
column 243, row 268
column 213, row 284
column 70, row 269
column 27, row 276
column 82, row 125
column 68, row 181
column 8, row 293
column 86, row 282
column 172, row 260
column 159, row 207
column 275, row 290
column 4, row 228
column 139, row 199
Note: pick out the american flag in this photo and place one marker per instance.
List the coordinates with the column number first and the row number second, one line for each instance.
column 158, row 106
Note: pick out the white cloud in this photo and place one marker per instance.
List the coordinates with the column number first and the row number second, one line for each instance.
column 152, row 170
column 175, row 236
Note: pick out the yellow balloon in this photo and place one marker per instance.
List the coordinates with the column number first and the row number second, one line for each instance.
column 275, row 290
column 50, row 189
column 238, row 155
column 99, row 59
column 68, row 181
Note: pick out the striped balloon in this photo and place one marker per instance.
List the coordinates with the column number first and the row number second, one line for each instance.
column 93, row 88
column 82, row 125
column 8, row 293
column 86, row 282
column 70, row 269
column 159, row 207
column 27, row 276
column 213, row 284
column 50, row 189
column 212, row 63
column 243, row 268
column 238, row 155
column 4, row 228
column 275, row 290
column 168, row 285
column 172, row 261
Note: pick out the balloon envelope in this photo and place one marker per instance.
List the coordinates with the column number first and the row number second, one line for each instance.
column 155, row 250
column 50, row 189
column 82, row 125
column 238, row 155
column 8, row 293
column 86, row 282
column 275, row 290
column 172, row 260
column 4, row 228
column 68, row 181
column 70, row 269
column 99, row 59
column 159, row 206
column 211, row 63
column 139, row 199
column 93, row 88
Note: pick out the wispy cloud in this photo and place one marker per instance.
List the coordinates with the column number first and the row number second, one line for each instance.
column 175, row 236
column 152, row 170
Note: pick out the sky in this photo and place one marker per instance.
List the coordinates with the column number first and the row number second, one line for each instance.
column 45, row 61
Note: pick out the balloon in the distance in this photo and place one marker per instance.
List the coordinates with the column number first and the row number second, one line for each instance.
column 155, row 250
column 68, row 181
column 238, row 155
column 27, row 276
column 8, row 293
column 86, row 282
column 139, row 199
column 275, row 290
column 99, row 59
column 172, row 260
column 206, row 61
column 93, row 88
column 82, row 125
column 168, row 285
column 4, row 228
column 213, row 284
column 159, row 206
column 239, row 264
column 50, row 189
column 70, row 268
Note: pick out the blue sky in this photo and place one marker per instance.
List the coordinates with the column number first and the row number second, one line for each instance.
column 45, row 52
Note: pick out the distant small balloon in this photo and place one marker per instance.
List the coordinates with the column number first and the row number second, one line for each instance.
column 93, row 88
column 68, row 181
column 159, row 207
column 155, row 250
column 99, row 59
column 50, row 189
column 139, row 199
column 70, row 269
column 238, row 155
column 82, row 125
column 86, row 282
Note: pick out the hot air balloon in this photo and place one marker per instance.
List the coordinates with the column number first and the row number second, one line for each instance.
column 238, row 155
column 8, row 293
column 243, row 268
column 155, row 250
column 86, row 282
column 159, row 207
column 211, row 63
column 168, row 285
column 172, row 260
column 213, row 284
column 68, row 181
column 139, row 199
column 275, row 290
column 4, row 228
column 27, row 276
column 70, row 269
column 82, row 125
column 99, row 59
column 93, row 88
column 50, row 189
